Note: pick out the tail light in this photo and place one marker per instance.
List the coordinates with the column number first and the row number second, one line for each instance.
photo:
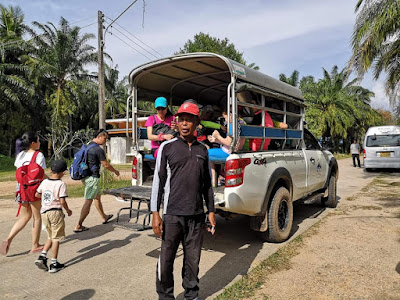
column 364, row 153
column 134, row 168
column 234, row 171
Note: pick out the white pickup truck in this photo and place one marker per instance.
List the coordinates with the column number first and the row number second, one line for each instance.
column 263, row 183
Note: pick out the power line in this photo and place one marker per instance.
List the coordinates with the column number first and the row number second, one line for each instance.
column 81, row 20
column 119, row 16
column 135, row 43
column 155, row 51
column 88, row 25
column 131, row 46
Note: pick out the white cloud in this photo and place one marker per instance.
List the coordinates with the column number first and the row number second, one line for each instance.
column 381, row 99
column 249, row 25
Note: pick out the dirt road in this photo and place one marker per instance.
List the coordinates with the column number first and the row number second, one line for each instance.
column 353, row 254
column 114, row 260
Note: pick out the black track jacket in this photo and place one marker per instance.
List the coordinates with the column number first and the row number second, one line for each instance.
column 182, row 176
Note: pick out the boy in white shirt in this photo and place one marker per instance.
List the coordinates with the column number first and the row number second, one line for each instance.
column 53, row 193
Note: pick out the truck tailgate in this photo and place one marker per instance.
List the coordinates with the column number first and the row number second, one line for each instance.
column 131, row 192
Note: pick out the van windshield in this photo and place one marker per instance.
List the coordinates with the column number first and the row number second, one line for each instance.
column 387, row 140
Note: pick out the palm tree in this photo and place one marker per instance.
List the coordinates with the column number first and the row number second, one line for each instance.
column 60, row 57
column 336, row 106
column 292, row 79
column 16, row 90
column 116, row 92
column 14, row 86
column 62, row 54
column 376, row 42
column 12, row 25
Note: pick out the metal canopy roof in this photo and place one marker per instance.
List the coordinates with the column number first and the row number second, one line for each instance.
column 201, row 76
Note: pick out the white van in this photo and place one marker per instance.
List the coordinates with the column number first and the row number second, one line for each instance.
column 382, row 147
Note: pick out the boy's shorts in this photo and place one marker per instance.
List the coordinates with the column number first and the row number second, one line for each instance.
column 54, row 222
column 92, row 187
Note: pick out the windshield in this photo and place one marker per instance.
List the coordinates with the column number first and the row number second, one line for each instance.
column 383, row 140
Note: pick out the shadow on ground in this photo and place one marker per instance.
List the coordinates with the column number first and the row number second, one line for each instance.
column 100, row 248
column 240, row 246
column 81, row 295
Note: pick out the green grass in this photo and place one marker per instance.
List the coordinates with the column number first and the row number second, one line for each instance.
column 6, row 164
column 79, row 190
column 126, row 167
column 7, row 176
column 341, row 155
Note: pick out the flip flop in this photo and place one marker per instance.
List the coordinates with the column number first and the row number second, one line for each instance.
column 83, row 228
column 108, row 219
column 36, row 250
column 4, row 246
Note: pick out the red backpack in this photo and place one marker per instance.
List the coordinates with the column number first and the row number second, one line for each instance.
column 29, row 176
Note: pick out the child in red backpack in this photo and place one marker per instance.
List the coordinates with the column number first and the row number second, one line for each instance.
column 53, row 193
column 30, row 144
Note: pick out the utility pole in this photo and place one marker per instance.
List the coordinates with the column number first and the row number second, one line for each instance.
column 100, row 59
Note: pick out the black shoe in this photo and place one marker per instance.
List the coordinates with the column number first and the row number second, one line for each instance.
column 55, row 267
column 41, row 263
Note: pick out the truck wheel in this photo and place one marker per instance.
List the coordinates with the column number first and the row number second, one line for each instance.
column 280, row 217
column 331, row 200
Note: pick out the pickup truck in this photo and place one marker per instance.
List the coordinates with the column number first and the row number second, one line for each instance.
column 262, row 183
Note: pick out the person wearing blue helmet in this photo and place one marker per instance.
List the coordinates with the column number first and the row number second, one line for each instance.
column 163, row 116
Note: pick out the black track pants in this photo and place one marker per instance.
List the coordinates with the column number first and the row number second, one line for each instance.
column 356, row 156
column 176, row 229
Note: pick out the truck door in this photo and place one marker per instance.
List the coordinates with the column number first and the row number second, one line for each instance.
column 316, row 163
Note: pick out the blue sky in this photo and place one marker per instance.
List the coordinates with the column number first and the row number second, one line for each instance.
column 279, row 36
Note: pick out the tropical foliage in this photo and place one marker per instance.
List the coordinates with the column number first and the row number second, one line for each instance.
column 15, row 88
column 338, row 109
column 116, row 93
column 293, row 79
column 376, row 43
column 44, row 81
column 45, row 84
column 203, row 42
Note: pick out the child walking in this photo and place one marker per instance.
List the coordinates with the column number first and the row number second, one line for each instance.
column 53, row 193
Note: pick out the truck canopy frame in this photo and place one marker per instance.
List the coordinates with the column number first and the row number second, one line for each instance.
column 208, row 78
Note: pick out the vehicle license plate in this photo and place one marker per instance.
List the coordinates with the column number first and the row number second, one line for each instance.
column 385, row 154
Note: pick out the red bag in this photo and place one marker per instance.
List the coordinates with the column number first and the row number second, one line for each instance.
column 29, row 176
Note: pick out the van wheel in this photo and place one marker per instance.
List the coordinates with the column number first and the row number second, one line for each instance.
column 280, row 217
column 331, row 200
column 367, row 169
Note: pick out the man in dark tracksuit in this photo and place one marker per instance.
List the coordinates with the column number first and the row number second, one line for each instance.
column 182, row 181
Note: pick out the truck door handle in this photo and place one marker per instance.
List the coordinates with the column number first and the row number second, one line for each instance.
column 312, row 160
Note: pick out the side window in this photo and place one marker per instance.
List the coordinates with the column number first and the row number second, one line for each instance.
column 310, row 141
column 292, row 144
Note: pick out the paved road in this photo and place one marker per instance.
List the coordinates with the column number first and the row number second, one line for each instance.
column 115, row 260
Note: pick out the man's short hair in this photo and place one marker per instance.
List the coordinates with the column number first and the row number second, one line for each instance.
column 99, row 133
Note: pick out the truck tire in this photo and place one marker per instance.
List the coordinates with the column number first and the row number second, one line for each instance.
column 331, row 200
column 280, row 217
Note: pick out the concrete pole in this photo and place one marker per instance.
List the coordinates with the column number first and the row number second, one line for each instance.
column 100, row 58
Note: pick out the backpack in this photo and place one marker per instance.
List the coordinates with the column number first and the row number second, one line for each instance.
column 79, row 168
column 162, row 128
column 29, row 176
